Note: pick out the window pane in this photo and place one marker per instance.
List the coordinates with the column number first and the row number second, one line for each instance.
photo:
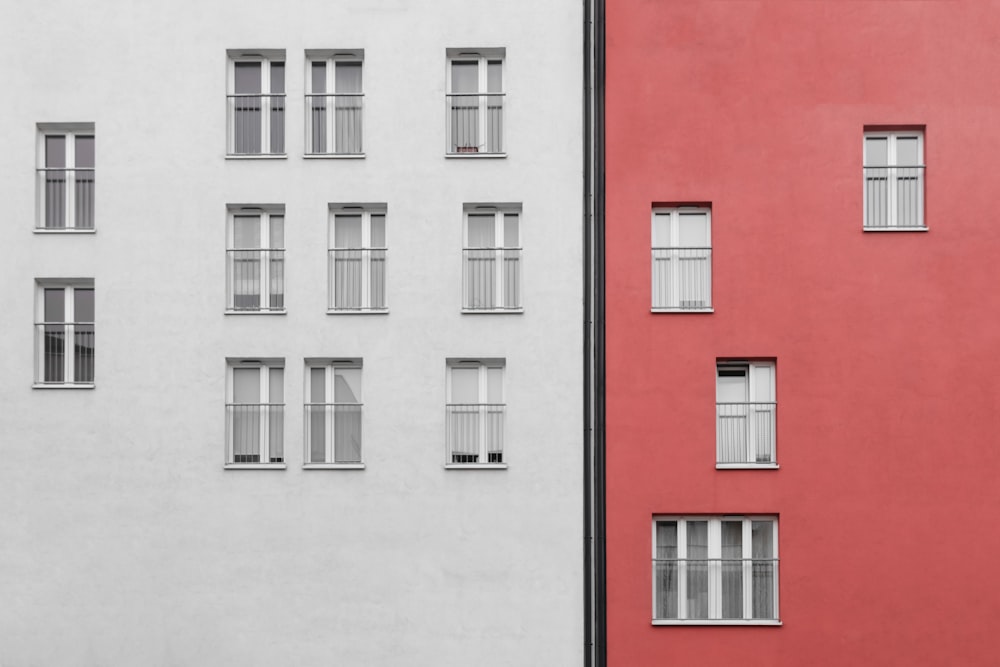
column 464, row 76
column 277, row 78
column 494, row 76
column 732, row 569
column 876, row 151
column 85, row 152
column 246, row 385
column 481, row 231
column 693, row 230
column 277, row 231
column 661, row 230
column 348, row 77
column 763, row 383
column 318, row 72
column 465, row 385
column 378, row 230
column 83, row 305
column 731, row 386
column 494, row 385
column 511, row 232
column 697, row 569
column 246, row 78
column 763, row 590
column 54, row 304
column 906, row 151
column 246, row 231
column 347, row 231
column 666, row 568
column 347, row 385
column 55, row 151
column 276, row 388
column 317, row 385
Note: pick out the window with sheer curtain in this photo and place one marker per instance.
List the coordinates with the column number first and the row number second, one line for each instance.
column 334, row 103
column 492, row 259
column 357, row 258
column 475, row 412
column 255, row 259
column 894, row 180
column 255, row 102
column 333, row 413
column 475, row 102
column 746, row 411
column 64, row 333
column 65, row 174
column 682, row 259
column 255, row 412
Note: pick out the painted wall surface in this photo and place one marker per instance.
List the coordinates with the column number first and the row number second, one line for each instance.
column 123, row 541
column 885, row 343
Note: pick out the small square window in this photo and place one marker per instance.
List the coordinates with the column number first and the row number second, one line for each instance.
column 256, row 103
column 65, row 177
column 682, row 259
column 475, row 412
column 334, row 102
column 333, row 412
column 492, row 258
column 255, row 259
column 64, row 333
column 894, row 180
column 746, row 414
column 475, row 102
column 255, row 412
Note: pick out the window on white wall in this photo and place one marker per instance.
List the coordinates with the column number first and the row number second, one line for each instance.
column 64, row 333
column 357, row 258
column 255, row 412
column 715, row 570
column 65, row 177
column 492, row 258
column 475, row 102
column 746, row 413
column 475, row 412
column 255, row 259
column 894, row 180
column 682, row 259
column 334, row 102
column 333, row 412
column 256, row 103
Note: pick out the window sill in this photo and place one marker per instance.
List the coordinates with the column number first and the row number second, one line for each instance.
column 493, row 311
column 475, row 466
column 333, row 466
column 255, row 466
column 721, row 621
column 67, row 385
column 334, row 156
column 474, row 156
column 262, row 156
column 63, row 230
column 694, row 311
column 895, row 229
column 256, row 312
column 747, row 466
column 357, row 311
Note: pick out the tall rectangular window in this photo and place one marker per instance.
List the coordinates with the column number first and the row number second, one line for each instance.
column 715, row 570
column 682, row 259
column 746, row 413
column 256, row 103
column 255, row 412
column 357, row 258
column 255, row 259
column 475, row 412
column 64, row 333
column 894, row 180
column 65, row 177
column 475, row 102
column 334, row 102
column 492, row 258
column 333, row 412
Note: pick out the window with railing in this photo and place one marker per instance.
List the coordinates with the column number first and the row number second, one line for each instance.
column 255, row 103
column 682, row 259
column 334, row 103
column 333, row 412
column 357, row 258
column 64, row 333
column 715, row 570
column 745, row 414
column 475, row 413
column 894, row 180
column 255, row 412
column 65, row 177
column 491, row 275
column 255, row 260
column 475, row 102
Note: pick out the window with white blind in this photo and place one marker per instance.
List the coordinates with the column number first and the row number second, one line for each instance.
column 475, row 102
column 255, row 103
column 65, row 177
column 334, row 103
column 475, row 413
column 64, row 333
column 492, row 258
column 255, row 413
column 255, row 259
column 357, row 258
column 682, row 259
column 718, row 570
column 333, row 413
column 746, row 412
column 894, row 181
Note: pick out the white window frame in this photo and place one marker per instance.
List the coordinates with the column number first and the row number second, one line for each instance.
column 264, row 367
column 70, row 329
column 267, row 259
column 484, row 408
column 893, row 178
column 759, row 412
column 266, row 57
column 330, row 368
column 501, row 256
column 332, row 57
column 715, row 572
column 673, row 258
column 482, row 57
column 369, row 256
column 70, row 132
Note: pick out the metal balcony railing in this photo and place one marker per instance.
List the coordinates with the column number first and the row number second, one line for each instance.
column 334, row 124
column 746, row 433
column 333, row 432
column 682, row 278
column 66, row 198
column 475, row 122
column 255, row 124
column 256, row 279
column 255, row 432
column 64, row 352
column 475, row 432
column 715, row 589
column 491, row 279
column 357, row 279
column 894, row 197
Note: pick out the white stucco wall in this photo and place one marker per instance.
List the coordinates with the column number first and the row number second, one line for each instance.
column 123, row 541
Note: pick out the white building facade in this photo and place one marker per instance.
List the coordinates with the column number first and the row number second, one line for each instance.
column 293, row 366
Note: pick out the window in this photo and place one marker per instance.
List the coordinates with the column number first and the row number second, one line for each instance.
column 256, row 103
column 715, row 569
column 745, row 426
column 64, row 333
column 333, row 412
column 255, row 259
column 255, row 412
column 357, row 254
column 334, row 103
column 492, row 259
column 894, row 180
column 475, row 412
column 65, row 177
column 682, row 259
column 475, row 102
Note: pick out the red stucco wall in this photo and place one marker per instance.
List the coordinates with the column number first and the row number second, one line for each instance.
column 887, row 344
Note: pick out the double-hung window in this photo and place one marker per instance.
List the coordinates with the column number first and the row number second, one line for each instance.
column 682, row 259
column 256, row 103
column 65, row 177
column 492, row 259
column 894, row 180
column 255, row 412
column 333, row 413
column 475, row 412
column 715, row 570
column 746, row 411
column 255, row 259
column 356, row 258
column 475, row 102
column 64, row 333
column 334, row 103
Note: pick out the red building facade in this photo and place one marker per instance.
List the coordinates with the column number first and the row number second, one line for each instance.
column 802, row 325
